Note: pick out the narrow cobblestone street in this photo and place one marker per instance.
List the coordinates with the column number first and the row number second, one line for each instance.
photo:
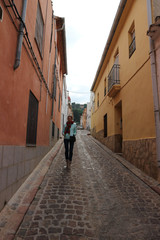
column 98, row 199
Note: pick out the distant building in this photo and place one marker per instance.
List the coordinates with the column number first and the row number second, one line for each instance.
column 81, row 106
column 81, row 120
column 70, row 112
column 84, row 118
column 88, row 124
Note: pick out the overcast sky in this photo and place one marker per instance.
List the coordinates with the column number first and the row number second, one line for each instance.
column 87, row 23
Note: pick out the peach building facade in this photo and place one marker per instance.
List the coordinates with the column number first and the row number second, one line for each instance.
column 84, row 118
column 33, row 63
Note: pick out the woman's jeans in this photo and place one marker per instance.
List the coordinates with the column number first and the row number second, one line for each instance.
column 68, row 149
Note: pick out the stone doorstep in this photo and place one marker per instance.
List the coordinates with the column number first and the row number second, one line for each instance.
column 12, row 214
column 149, row 181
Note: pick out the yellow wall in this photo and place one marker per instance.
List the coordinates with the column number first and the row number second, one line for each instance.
column 135, row 79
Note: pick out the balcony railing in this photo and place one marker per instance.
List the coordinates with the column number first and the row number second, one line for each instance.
column 113, row 77
column 132, row 47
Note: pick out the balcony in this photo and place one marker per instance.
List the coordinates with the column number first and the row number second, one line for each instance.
column 114, row 81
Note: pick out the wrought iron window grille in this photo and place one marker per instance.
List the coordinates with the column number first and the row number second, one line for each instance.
column 132, row 47
column 113, row 77
column 1, row 14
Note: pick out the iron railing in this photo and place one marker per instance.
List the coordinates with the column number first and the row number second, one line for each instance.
column 113, row 77
column 132, row 47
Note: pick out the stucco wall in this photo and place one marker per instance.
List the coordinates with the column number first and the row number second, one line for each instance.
column 17, row 160
column 135, row 95
column 135, row 80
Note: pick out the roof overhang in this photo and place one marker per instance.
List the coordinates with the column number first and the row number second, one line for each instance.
column 111, row 35
column 61, row 42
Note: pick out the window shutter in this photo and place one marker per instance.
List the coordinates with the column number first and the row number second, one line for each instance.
column 32, row 120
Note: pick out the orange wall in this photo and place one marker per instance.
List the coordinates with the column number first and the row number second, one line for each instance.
column 16, row 85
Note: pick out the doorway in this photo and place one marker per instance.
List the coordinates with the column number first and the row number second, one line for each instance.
column 118, row 128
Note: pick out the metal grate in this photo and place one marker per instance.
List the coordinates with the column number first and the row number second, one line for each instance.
column 39, row 29
column 113, row 77
column 1, row 14
column 53, row 129
column 132, row 47
column 32, row 120
column 105, row 125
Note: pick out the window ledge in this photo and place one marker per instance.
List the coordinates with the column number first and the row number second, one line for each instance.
column 30, row 145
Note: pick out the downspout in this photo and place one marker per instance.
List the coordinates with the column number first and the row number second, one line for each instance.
column 49, row 52
column 154, row 85
column 54, row 72
column 20, row 37
column 55, row 59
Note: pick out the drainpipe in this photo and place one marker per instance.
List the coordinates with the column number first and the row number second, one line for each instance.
column 154, row 85
column 55, row 59
column 20, row 37
column 54, row 76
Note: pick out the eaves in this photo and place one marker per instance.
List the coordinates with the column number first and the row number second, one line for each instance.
column 111, row 35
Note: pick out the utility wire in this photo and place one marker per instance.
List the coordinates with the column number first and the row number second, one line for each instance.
column 78, row 92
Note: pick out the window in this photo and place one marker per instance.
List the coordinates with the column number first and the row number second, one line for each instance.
column 54, row 82
column 132, row 40
column 1, row 14
column 58, row 133
column 59, row 102
column 105, row 87
column 53, row 127
column 39, row 29
column 32, row 120
column 105, row 125
column 116, row 57
column 97, row 99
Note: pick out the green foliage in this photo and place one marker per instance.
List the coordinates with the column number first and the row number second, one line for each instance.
column 77, row 111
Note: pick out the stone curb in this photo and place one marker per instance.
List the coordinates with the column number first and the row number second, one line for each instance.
column 13, row 213
column 149, row 181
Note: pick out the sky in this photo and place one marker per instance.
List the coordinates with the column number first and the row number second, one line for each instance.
column 87, row 24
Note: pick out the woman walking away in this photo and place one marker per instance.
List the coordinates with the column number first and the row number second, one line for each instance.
column 69, row 133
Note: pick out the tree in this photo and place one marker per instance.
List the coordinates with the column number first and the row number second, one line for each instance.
column 77, row 111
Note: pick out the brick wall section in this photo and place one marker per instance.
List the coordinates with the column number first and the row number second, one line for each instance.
column 112, row 142
column 142, row 153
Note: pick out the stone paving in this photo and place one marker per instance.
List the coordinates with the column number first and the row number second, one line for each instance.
column 98, row 199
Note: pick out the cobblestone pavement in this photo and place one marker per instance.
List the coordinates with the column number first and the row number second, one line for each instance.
column 98, row 199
